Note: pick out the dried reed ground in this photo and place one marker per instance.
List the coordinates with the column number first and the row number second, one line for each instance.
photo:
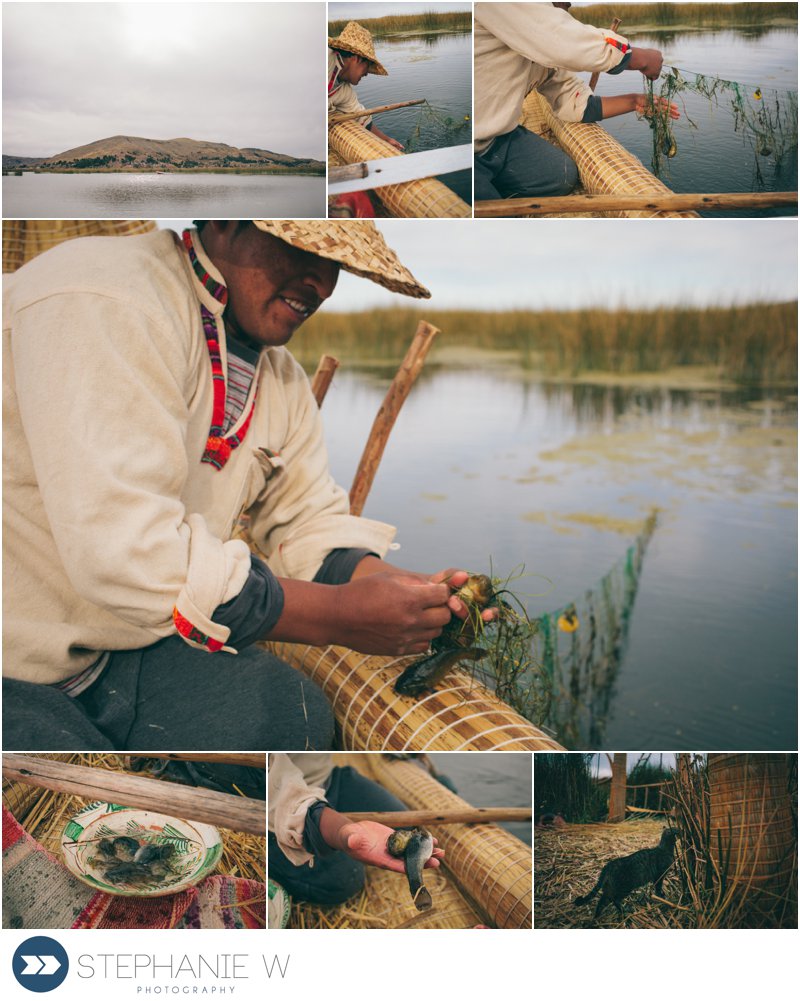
column 567, row 864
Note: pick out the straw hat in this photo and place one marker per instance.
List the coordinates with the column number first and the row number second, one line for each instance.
column 356, row 245
column 356, row 39
column 24, row 239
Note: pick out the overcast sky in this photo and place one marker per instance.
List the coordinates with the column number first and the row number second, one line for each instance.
column 499, row 264
column 246, row 74
column 559, row 263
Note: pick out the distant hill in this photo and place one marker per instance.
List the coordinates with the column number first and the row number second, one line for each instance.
column 134, row 153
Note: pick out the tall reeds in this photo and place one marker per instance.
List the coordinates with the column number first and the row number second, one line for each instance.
column 753, row 343
column 712, row 15
column 424, row 21
column 563, row 784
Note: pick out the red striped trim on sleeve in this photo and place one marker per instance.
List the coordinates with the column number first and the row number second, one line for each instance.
column 193, row 634
column 623, row 47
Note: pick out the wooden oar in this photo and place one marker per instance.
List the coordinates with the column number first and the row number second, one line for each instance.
column 323, row 377
column 596, row 76
column 336, row 119
column 401, row 385
column 474, row 815
column 237, row 813
column 663, row 202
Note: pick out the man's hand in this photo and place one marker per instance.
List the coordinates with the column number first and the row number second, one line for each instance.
column 645, row 107
column 365, row 841
column 647, row 61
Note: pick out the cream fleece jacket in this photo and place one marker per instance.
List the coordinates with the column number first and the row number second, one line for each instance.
column 110, row 520
column 519, row 46
column 295, row 784
column 342, row 96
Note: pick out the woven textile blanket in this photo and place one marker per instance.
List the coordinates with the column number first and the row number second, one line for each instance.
column 40, row 892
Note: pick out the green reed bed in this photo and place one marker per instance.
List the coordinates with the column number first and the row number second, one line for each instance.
column 696, row 15
column 563, row 784
column 393, row 24
column 755, row 344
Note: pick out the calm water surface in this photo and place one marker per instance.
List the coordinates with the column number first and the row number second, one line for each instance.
column 713, row 156
column 153, row 196
column 437, row 67
column 686, row 642
column 491, row 780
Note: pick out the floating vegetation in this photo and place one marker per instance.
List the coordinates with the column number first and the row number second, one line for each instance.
column 766, row 121
column 439, row 129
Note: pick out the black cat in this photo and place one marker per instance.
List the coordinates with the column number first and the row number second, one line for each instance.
column 621, row 876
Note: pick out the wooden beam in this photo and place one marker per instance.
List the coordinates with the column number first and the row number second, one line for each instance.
column 661, row 202
column 237, row 813
column 350, row 116
column 474, row 815
column 246, row 759
column 323, row 377
column 406, row 376
column 404, row 167
column 619, row 777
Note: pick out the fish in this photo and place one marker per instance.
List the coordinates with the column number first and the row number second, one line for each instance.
column 127, row 872
column 415, row 846
column 453, row 643
column 125, row 848
column 152, row 853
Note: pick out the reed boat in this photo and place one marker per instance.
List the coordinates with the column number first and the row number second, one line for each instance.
column 426, row 198
column 486, row 878
column 604, row 165
column 461, row 715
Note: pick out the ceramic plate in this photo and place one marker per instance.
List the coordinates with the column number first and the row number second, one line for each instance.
column 196, row 848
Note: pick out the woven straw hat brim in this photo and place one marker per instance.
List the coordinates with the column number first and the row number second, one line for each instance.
column 356, row 245
column 355, row 38
column 24, row 239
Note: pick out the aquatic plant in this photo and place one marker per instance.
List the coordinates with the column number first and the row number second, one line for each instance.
column 766, row 120
column 439, row 129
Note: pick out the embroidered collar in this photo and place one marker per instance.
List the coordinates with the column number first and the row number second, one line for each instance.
column 218, row 445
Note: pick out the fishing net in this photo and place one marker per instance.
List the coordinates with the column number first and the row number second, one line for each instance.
column 765, row 119
column 435, row 129
column 583, row 644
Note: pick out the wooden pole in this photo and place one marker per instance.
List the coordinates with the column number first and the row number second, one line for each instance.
column 664, row 202
column 350, row 115
column 246, row 759
column 619, row 778
column 237, row 813
column 473, row 815
column 382, row 426
column 596, row 76
column 323, row 377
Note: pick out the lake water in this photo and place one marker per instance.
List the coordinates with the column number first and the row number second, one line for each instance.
column 713, row 157
column 155, row 196
column 491, row 780
column 686, row 642
column 437, row 67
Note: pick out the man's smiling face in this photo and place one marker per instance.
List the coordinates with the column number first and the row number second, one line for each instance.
column 273, row 287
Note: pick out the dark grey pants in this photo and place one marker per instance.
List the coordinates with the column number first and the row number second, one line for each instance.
column 521, row 164
column 336, row 877
column 173, row 697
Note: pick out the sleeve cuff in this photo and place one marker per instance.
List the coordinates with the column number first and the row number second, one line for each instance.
column 622, row 64
column 594, row 110
column 255, row 610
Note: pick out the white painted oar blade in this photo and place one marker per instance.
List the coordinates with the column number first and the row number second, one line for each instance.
column 409, row 167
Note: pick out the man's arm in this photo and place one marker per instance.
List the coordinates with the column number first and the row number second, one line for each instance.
column 373, row 128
